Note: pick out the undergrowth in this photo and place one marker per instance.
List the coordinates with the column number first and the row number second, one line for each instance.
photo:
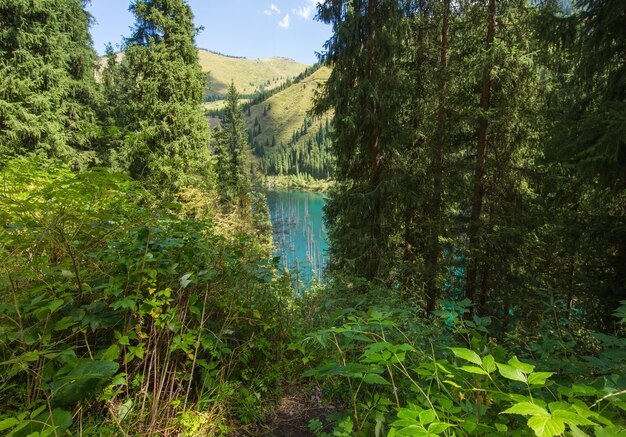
column 121, row 314
column 397, row 373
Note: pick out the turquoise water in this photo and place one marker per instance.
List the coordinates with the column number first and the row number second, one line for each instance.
column 299, row 233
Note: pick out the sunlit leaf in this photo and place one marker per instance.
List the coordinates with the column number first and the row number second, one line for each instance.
column 373, row 378
column 467, row 354
column 510, row 372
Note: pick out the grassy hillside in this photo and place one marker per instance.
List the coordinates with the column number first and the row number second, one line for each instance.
column 287, row 111
column 286, row 140
column 283, row 137
column 249, row 75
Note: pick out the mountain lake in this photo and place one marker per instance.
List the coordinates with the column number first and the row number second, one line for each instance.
column 300, row 237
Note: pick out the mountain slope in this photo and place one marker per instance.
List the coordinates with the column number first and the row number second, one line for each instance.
column 284, row 137
column 287, row 111
column 249, row 75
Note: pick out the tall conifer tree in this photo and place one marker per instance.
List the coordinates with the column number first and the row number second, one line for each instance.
column 232, row 153
column 365, row 90
column 167, row 137
column 47, row 87
column 587, row 156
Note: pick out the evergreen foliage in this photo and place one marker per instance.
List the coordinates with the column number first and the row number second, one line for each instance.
column 452, row 125
column 232, row 152
column 48, row 91
column 166, row 138
column 478, row 247
column 311, row 158
column 363, row 53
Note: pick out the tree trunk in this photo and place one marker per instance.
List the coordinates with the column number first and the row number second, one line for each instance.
column 376, row 154
column 613, row 299
column 434, row 249
column 479, row 171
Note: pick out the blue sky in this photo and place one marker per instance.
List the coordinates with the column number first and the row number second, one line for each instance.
column 250, row 28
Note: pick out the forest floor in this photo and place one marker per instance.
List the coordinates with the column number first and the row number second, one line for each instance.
column 297, row 407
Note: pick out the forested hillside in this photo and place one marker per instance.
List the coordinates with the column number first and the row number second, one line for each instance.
column 286, row 139
column 477, row 225
column 284, row 134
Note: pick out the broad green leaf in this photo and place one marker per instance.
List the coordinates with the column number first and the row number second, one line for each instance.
column 8, row 423
column 64, row 323
column 438, row 427
column 377, row 347
column 407, row 413
column 82, row 381
column 427, row 416
column 474, row 369
column 111, row 354
column 585, row 390
column 38, row 411
column 489, row 363
column 527, row 409
column 501, row 427
column 404, row 422
column 30, row 357
column 510, row 372
column 539, row 378
column 55, row 305
column 559, row 405
column 577, row 432
column 571, row 418
column 405, row 347
column 524, row 367
column 62, row 419
column 467, row 354
column 42, row 424
column 373, row 378
column 126, row 303
column 608, row 431
column 546, row 426
column 413, row 430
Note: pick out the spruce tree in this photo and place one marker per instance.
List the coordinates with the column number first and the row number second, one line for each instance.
column 587, row 155
column 232, row 153
column 166, row 139
column 48, row 90
column 365, row 90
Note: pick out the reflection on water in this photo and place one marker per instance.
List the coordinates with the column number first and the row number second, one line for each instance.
column 299, row 233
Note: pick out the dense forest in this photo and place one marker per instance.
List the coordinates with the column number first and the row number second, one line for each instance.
column 312, row 158
column 477, row 225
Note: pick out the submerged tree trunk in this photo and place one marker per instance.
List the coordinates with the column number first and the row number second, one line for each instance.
column 434, row 248
column 481, row 155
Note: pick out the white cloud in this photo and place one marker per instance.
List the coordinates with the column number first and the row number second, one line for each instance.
column 303, row 12
column 306, row 11
column 272, row 10
column 284, row 23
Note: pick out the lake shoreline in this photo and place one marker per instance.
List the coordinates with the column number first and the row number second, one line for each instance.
column 296, row 183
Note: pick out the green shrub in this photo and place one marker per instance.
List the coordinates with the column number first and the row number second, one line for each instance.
column 127, row 311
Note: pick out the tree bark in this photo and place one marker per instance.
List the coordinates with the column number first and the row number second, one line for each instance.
column 376, row 153
column 434, row 248
column 479, row 170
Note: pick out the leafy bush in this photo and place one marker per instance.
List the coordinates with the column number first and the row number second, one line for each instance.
column 400, row 377
column 117, row 305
